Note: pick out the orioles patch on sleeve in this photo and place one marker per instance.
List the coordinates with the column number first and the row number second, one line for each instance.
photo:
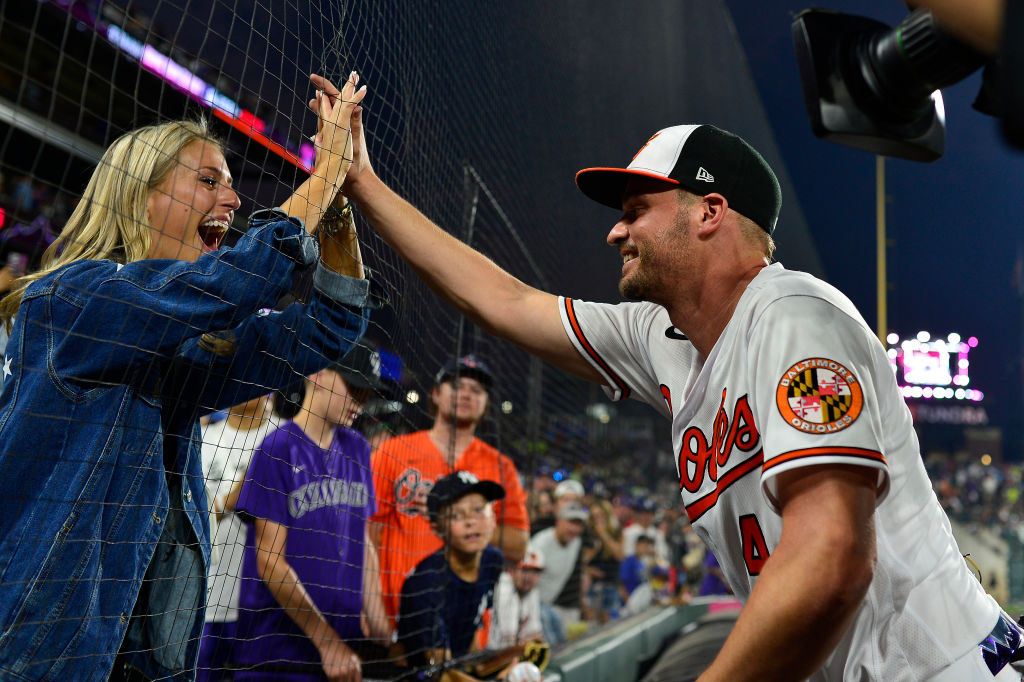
column 818, row 395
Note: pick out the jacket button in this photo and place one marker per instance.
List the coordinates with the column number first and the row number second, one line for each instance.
column 188, row 495
column 156, row 518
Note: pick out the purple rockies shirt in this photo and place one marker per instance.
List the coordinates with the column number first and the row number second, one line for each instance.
column 324, row 498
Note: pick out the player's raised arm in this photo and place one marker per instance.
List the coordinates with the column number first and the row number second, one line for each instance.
column 492, row 298
column 333, row 140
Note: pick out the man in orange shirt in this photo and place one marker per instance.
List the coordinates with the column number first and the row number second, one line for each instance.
column 405, row 468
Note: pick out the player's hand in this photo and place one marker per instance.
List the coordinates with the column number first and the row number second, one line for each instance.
column 333, row 140
column 340, row 663
column 361, row 168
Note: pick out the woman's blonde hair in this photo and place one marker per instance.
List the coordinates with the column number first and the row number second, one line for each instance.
column 110, row 220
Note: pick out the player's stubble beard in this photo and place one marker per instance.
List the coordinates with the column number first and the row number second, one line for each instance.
column 646, row 282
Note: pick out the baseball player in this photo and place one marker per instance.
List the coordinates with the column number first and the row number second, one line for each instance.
column 797, row 458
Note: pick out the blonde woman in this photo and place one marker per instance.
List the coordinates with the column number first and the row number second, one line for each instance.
column 135, row 325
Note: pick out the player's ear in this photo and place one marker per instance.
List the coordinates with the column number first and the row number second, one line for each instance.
column 713, row 208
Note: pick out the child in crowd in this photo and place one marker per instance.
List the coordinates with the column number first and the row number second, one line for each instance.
column 444, row 599
column 310, row 590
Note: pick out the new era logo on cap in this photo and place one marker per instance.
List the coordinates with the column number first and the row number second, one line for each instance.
column 681, row 155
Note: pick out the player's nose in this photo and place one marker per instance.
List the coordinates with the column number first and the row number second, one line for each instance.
column 618, row 233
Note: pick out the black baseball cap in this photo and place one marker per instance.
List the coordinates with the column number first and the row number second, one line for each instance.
column 467, row 366
column 702, row 159
column 360, row 368
column 450, row 489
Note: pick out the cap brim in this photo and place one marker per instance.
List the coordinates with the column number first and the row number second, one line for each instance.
column 489, row 489
column 485, row 379
column 607, row 185
column 356, row 380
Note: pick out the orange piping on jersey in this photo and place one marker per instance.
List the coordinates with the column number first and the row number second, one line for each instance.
column 590, row 349
column 697, row 509
column 861, row 453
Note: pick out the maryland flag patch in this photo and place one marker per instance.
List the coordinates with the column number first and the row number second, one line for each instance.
column 818, row 395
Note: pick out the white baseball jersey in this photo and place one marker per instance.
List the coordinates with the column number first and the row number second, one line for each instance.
column 515, row 618
column 798, row 379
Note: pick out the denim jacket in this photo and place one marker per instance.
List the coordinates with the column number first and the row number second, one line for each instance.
column 104, row 537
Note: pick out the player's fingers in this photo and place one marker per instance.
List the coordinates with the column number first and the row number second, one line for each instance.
column 321, row 83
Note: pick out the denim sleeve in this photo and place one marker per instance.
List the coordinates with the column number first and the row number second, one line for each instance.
column 268, row 350
column 106, row 317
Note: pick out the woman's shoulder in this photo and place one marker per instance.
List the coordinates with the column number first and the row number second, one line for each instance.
column 74, row 272
column 72, row 278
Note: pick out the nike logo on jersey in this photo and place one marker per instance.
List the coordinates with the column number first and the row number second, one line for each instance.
column 674, row 333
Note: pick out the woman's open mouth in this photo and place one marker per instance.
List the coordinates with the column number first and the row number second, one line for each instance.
column 212, row 233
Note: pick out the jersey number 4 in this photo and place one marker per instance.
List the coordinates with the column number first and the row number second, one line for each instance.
column 755, row 549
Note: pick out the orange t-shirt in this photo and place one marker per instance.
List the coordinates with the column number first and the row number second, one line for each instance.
column 404, row 471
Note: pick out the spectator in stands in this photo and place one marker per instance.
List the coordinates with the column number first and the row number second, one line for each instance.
column 568, row 492
column 227, row 449
column 310, row 578
column 405, row 468
column 445, row 597
column 635, row 569
column 623, row 506
column 603, row 561
column 136, row 325
column 542, row 510
column 560, row 590
column 516, row 617
column 673, row 525
column 713, row 581
column 644, row 511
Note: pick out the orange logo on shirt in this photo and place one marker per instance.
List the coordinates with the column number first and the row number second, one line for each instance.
column 818, row 395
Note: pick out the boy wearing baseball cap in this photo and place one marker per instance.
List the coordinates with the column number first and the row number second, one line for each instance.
column 309, row 573
column 444, row 599
column 405, row 467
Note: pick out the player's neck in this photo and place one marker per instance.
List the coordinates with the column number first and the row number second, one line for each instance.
column 319, row 430
column 703, row 312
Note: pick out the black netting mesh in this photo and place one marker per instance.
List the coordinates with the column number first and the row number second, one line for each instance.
column 478, row 114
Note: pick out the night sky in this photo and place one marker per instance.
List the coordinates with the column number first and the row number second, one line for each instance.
column 954, row 225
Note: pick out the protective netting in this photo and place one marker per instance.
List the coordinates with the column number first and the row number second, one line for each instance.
column 103, row 548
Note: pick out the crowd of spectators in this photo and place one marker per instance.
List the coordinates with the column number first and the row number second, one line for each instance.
column 979, row 494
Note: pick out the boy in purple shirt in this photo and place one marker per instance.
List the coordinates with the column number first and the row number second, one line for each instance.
column 309, row 574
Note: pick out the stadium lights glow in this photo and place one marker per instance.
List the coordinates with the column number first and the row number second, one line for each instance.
column 223, row 107
column 933, row 368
